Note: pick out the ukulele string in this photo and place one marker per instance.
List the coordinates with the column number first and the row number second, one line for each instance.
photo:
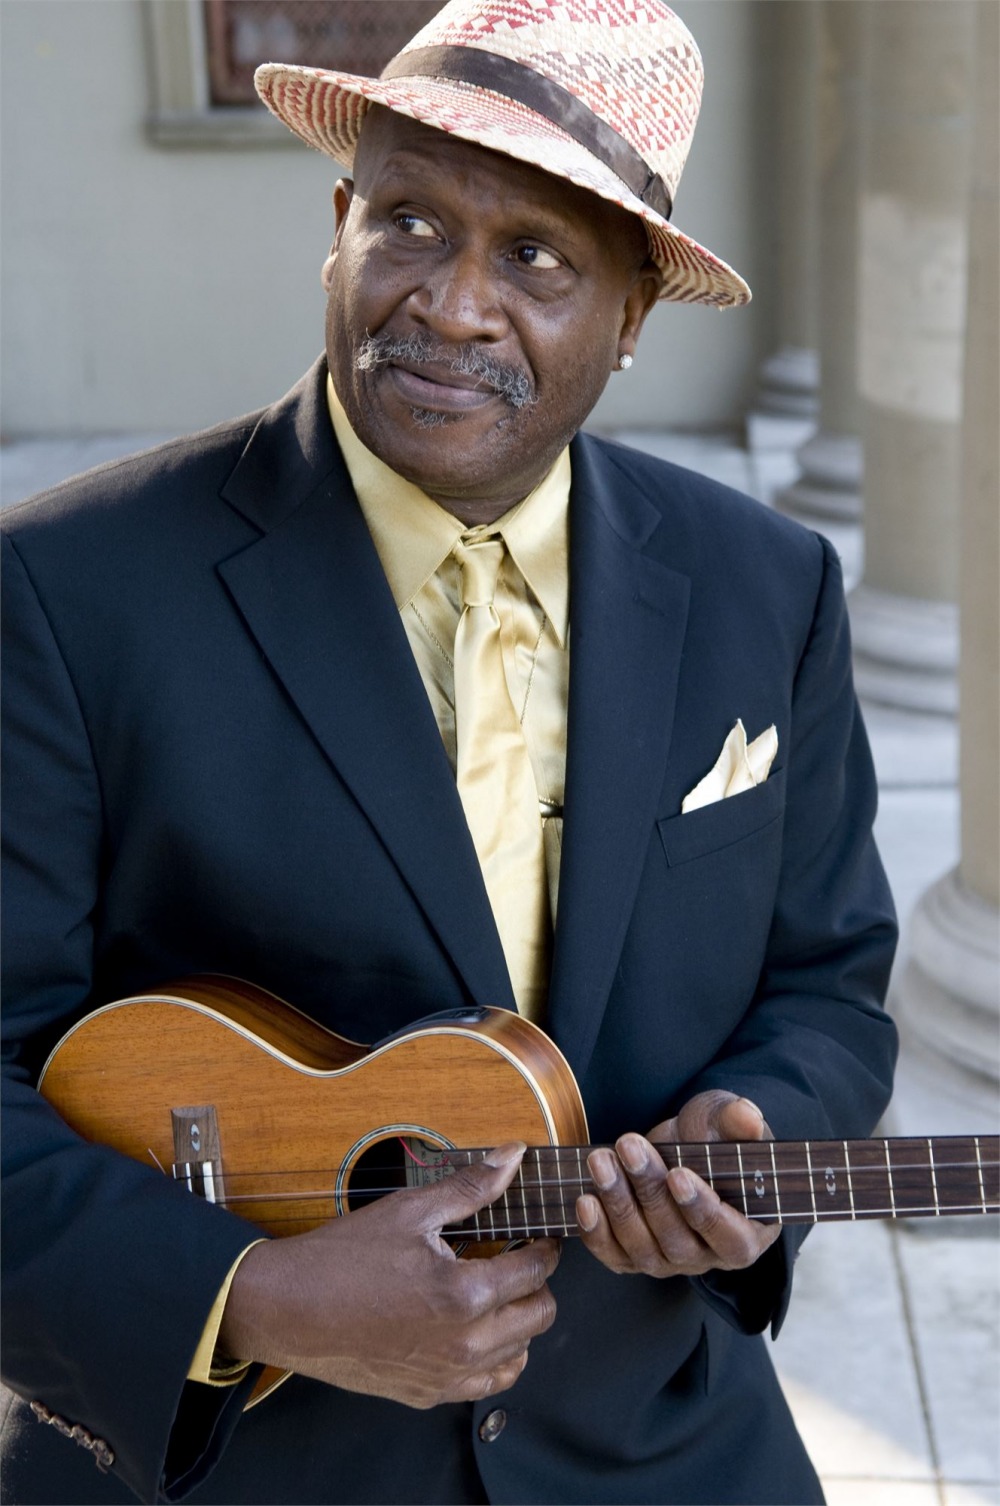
column 872, row 1177
column 545, row 1227
column 730, row 1166
column 468, row 1157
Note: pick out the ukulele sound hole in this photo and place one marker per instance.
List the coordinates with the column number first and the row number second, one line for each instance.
column 399, row 1160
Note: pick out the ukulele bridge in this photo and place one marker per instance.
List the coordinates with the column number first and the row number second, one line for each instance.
column 198, row 1152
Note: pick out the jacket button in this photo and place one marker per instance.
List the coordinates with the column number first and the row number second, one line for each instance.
column 493, row 1425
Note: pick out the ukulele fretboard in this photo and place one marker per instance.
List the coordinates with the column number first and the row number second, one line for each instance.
column 771, row 1181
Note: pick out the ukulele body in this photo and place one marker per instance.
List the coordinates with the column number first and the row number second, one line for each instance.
column 305, row 1125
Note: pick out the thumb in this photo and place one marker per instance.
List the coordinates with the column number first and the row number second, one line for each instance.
column 472, row 1187
column 718, row 1115
column 741, row 1119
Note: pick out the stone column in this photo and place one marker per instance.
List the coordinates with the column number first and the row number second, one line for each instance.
column 912, row 282
column 787, row 403
column 948, row 996
column 827, row 493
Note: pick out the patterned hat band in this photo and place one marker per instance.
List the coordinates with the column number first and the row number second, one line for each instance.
column 488, row 70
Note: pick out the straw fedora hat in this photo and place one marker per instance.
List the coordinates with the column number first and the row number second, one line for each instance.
column 604, row 93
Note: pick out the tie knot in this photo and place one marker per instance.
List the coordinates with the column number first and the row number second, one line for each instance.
column 480, row 560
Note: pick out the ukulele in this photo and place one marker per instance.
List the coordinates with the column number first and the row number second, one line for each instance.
column 251, row 1104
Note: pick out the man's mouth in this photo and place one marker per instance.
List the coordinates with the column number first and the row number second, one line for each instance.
column 444, row 379
column 444, row 392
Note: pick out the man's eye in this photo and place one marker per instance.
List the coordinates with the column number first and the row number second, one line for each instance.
column 537, row 256
column 412, row 224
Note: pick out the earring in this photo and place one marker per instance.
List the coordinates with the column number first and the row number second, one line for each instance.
column 624, row 362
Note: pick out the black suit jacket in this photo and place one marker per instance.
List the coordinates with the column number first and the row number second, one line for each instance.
column 220, row 757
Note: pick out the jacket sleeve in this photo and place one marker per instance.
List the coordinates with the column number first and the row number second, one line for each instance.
column 816, row 1049
column 110, row 1270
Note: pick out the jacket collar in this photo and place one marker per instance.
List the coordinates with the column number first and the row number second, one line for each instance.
column 312, row 592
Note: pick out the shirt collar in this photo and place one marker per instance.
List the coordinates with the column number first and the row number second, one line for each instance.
column 414, row 535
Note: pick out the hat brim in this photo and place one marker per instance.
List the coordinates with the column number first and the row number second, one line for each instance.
column 327, row 110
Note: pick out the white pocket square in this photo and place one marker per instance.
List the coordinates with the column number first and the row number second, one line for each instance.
column 740, row 766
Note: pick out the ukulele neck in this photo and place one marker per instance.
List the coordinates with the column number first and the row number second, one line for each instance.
column 775, row 1181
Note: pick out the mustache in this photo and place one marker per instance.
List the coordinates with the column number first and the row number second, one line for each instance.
column 467, row 360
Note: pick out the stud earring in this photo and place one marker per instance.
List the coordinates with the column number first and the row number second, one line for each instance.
column 624, row 362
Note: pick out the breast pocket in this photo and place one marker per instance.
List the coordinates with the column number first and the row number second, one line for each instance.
column 724, row 823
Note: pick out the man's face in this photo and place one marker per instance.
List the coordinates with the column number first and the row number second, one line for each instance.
column 476, row 309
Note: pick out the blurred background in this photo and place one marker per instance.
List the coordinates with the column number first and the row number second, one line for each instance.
column 162, row 240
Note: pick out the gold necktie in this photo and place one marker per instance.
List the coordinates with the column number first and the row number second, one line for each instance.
column 495, row 779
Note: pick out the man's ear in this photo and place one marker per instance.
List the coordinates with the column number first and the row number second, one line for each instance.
column 641, row 297
column 343, row 195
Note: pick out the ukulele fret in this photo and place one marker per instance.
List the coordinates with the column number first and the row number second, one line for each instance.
column 563, row 1180
column 869, row 1185
column 699, row 1160
column 833, row 1196
column 522, row 1223
column 580, row 1177
column 560, row 1189
column 493, row 1224
column 759, row 1181
column 979, row 1173
column 743, row 1185
column 774, row 1169
column 794, row 1177
column 543, row 1216
column 508, row 1217
column 933, row 1169
column 910, row 1178
column 888, row 1174
column 812, row 1184
column 850, row 1179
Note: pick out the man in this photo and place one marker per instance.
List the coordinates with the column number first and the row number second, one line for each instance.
column 405, row 696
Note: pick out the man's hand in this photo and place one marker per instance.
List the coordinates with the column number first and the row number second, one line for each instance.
column 377, row 1301
column 656, row 1222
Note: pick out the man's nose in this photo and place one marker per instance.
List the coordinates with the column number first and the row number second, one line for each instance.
column 460, row 299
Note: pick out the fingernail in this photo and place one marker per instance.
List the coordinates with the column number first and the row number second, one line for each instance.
column 586, row 1214
column 505, row 1154
column 751, row 1105
column 603, row 1169
column 682, row 1187
column 632, row 1152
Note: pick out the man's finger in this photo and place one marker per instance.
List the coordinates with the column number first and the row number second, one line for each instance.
column 646, row 1172
column 470, row 1188
column 734, row 1241
column 488, row 1383
column 625, row 1213
column 741, row 1120
column 513, row 1327
column 510, row 1277
column 711, row 1116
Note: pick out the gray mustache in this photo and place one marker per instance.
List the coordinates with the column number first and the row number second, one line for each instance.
column 462, row 360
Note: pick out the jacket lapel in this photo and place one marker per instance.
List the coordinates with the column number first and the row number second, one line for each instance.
column 628, row 614
column 312, row 592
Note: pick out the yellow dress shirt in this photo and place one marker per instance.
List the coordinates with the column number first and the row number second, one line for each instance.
column 414, row 538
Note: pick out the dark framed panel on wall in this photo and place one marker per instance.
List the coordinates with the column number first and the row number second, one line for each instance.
column 203, row 54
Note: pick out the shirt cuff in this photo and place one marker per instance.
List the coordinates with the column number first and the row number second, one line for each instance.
column 203, row 1367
